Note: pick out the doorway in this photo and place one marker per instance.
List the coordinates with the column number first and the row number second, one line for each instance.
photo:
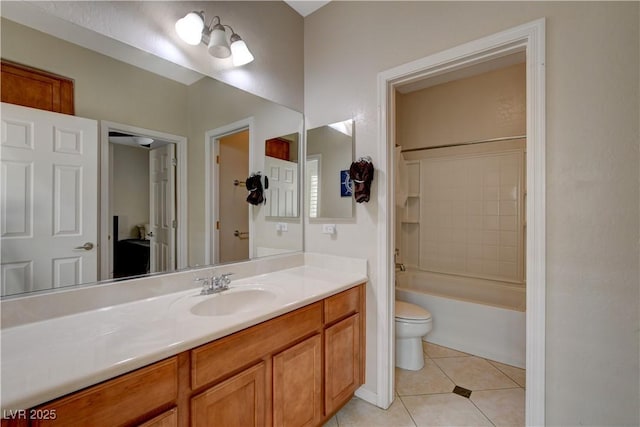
column 228, row 223
column 143, row 201
column 530, row 39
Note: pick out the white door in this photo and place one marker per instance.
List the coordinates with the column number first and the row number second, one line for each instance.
column 162, row 200
column 49, row 201
column 282, row 195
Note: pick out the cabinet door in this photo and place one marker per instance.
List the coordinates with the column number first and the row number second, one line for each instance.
column 239, row 401
column 22, row 85
column 166, row 419
column 297, row 384
column 342, row 362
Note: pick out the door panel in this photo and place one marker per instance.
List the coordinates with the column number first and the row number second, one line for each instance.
column 49, row 199
column 282, row 195
column 162, row 208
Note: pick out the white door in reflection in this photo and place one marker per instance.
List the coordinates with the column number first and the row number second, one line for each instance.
column 49, row 199
column 282, row 194
column 162, row 209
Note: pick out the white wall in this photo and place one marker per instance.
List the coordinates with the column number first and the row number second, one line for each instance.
column 130, row 172
column 592, row 323
column 104, row 89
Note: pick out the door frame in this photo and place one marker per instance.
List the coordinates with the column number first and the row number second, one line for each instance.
column 105, row 191
column 530, row 38
column 211, row 150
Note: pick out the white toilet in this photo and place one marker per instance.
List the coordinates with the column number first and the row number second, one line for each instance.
column 412, row 323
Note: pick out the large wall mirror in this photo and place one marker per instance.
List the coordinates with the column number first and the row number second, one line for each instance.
column 197, row 139
column 329, row 155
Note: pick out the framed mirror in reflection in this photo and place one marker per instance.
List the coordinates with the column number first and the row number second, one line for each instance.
column 328, row 188
column 164, row 208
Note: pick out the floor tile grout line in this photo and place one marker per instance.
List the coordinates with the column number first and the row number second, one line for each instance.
column 408, row 411
column 482, row 412
column 510, row 377
column 491, row 364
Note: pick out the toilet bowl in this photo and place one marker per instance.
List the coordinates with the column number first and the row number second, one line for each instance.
column 412, row 323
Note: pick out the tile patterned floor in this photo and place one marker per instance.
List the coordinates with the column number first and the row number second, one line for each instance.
column 425, row 398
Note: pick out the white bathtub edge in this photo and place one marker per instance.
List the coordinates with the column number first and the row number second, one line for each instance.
column 485, row 331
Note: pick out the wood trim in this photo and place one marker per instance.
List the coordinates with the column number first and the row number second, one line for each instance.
column 35, row 88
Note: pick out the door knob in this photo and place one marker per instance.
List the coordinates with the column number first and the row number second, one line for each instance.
column 87, row 246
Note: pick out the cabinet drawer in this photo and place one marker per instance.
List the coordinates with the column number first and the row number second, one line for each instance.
column 342, row 305
column 213, row 361
column 121, row 401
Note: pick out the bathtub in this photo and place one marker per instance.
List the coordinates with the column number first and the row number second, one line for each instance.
column 480, row 317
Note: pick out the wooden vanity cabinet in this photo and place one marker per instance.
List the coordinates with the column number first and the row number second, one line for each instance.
column 130, row 399
column 295, row 370
column 344, row 347
column 312, row 360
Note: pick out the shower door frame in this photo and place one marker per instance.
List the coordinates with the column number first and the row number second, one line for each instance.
column 529, row 38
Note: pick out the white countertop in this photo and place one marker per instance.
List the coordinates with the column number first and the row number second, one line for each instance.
column 48, row 359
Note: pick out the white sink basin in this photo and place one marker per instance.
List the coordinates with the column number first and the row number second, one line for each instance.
column 233, row 301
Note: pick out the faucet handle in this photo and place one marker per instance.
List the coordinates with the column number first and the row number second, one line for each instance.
column 206, row 283
column 224, row 278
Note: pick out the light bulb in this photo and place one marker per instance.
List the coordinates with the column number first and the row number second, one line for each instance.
column 240, row 51
column 218, row 46
column 190, row 28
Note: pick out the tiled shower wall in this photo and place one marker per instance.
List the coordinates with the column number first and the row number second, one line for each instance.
column 465, row 211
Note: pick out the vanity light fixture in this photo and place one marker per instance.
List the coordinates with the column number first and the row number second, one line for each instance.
column 192, row 30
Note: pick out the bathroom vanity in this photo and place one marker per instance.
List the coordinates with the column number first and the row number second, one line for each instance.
column 296, row 364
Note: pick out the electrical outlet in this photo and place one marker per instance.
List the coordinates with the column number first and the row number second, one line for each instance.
column 282, row 226
column 328, row 229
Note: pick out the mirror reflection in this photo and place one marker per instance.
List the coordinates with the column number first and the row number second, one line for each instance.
column 167, row 165
column 329, row 191
column 281, row 169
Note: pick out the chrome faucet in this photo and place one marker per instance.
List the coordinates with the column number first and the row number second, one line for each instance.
column 399, row 265
column 214, row 284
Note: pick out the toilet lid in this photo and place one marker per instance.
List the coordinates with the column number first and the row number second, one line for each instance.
column 405, row 310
